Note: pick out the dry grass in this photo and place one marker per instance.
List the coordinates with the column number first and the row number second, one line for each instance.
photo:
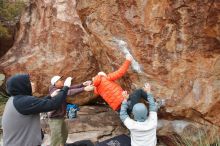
column 2, row 107
column 203, row 137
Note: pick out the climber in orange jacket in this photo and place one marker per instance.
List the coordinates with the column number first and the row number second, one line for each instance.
column 108, row 89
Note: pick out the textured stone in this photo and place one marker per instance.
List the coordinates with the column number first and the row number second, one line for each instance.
column 175, row 44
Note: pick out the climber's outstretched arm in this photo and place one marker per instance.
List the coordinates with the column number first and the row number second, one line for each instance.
column 121, row 71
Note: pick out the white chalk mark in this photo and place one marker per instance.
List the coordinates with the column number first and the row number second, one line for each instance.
column 123, row 47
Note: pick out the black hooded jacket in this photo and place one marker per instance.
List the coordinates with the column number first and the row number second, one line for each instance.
column 19, row 87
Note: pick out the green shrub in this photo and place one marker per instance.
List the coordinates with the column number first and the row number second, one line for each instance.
column 4, row 32
column 9, row 15
column 10, row 10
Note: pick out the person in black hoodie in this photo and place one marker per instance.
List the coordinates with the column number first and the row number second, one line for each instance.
column 21, row 120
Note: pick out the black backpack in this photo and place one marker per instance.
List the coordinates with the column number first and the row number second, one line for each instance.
column 81, row 143
column 121, row 140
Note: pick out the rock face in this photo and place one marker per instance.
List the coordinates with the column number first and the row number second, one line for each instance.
column 51, row 41
column 175, row 44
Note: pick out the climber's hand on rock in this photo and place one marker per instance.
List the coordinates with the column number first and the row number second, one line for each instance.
column 129, row 57
column 87, row 83
column 147, row 87
column 89, row 88
column 68, row 81
column 125, row 95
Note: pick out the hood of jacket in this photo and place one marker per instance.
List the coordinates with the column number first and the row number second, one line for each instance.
column 19, row 84
column 140, row 112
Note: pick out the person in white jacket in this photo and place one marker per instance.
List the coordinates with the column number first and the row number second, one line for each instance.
column 142, row 127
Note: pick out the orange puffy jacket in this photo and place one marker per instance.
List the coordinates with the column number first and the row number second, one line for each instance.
column 106, row 86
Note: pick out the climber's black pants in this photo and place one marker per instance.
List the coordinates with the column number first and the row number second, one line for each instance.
column 135, row 98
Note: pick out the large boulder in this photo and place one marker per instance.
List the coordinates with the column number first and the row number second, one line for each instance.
column 50, row 41
column 175, row 44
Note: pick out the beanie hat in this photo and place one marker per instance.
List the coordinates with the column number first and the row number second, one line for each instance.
column 140, row 112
